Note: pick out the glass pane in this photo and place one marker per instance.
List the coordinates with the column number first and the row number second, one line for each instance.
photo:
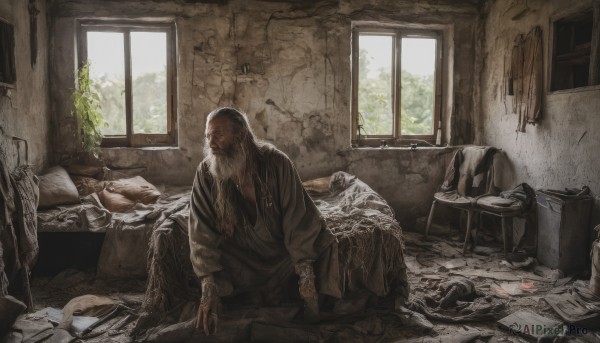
column 418, row 86
column 149, row 76
column 375, row 100
column 107, row 70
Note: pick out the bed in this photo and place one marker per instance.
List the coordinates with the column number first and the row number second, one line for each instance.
column 150, row 240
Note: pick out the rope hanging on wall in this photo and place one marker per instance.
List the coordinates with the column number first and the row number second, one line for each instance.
column 526, row 72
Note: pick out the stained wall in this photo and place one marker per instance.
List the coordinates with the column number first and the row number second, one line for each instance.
column 561, row 151
column 296, row 93
column 24, row 106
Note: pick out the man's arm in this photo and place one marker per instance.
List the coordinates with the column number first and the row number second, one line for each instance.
column 304, row 234
column 204, row 237
column 204, row 240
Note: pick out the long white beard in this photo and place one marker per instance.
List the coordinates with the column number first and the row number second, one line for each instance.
column 227, row 166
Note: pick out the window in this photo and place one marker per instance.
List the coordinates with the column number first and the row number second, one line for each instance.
column 396, row 84
column 132, row 70
column 575, row 60
column 7, row 54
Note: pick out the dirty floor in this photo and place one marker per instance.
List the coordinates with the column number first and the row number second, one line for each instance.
column 511, row 286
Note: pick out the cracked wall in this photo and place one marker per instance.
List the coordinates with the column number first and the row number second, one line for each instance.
column 24, row 108
column 287, row 65
column 560, row 151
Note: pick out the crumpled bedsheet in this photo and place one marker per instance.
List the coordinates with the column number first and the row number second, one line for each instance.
column 369, row 237
column 89, row 216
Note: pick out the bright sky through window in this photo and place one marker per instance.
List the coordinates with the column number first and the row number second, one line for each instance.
column 418, row 54
column 105, row 51
column 148, row 91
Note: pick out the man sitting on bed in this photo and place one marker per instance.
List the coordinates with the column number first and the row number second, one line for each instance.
column 252, row 225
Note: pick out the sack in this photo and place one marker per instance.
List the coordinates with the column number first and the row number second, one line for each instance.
column 87, row 185
column 115, row 202
column 136, row 189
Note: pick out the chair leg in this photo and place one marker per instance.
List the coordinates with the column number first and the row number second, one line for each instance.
column 429, row 218
column 469, row 223
column 475, row 225
column 507, row 234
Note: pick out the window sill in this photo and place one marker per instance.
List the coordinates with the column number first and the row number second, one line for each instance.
column 400, row 148
column 142, row 148
column 575, row 90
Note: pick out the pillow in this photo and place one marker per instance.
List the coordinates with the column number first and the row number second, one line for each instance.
column 57, row 188
column 318, row 186
column 87, row 185
column 135, row 188
column 81, row 170
column 115, row 202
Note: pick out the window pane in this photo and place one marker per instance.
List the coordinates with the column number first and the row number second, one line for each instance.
column 107, row 70
column 149, row 76
column 418, row 86
column 375, row 101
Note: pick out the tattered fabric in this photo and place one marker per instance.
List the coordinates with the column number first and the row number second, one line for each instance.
column 289, row 229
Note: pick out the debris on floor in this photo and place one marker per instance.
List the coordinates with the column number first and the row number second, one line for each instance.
column 474, row 298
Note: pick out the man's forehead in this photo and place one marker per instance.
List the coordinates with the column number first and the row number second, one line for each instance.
column 219, row 123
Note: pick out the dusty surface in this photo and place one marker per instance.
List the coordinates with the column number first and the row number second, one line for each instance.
column 430, row 263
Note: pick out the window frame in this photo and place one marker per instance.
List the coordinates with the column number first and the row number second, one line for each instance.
column 131, row 139
column 398, row 33
column 568, row 16
column 8, row 71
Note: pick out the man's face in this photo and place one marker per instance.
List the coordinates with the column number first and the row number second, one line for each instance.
column 220, row 137
column 223, row 149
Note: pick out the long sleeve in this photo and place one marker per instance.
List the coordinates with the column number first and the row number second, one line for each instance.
column 204, row 237
column 303, row 228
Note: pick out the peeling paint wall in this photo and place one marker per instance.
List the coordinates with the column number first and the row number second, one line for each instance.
column 296, row 92
column 24, row 109
column 561, row 151
column 406, row 179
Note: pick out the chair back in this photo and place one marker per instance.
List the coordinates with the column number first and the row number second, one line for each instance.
column 471, row 172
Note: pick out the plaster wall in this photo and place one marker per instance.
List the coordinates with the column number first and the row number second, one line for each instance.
column 296, row 94
column 24, row 108
column 561, row 151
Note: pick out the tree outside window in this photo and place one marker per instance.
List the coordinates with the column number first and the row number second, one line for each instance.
column 131, row 66
column 396, row 82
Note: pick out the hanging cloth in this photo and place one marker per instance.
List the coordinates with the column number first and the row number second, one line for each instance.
column 527, row 74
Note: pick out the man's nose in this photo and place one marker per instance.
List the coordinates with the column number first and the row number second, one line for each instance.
column 211, row 142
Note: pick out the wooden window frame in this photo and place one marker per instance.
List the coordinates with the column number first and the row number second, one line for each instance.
column 398, row 34
column 567, row 16
column 131, row 139
column 8, row 71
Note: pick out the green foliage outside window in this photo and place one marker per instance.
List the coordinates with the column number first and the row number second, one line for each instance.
column 86, row 108
column 375, row 102
column 149, row 103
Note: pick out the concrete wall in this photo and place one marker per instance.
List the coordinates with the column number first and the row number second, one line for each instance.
column 562, row 150
column 24, row 108
column 297, row 93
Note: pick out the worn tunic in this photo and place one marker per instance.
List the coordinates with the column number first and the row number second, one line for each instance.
column 288, row 229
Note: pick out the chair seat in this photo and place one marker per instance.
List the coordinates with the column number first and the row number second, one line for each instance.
column 499, row 205
column 452, row 198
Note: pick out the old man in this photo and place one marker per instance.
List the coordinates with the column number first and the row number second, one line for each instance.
column 253, row 228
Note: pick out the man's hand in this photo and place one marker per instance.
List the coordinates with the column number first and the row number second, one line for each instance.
column 207, row 317
column 307, row 289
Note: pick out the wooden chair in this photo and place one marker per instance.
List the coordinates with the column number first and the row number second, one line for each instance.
column 470, row 186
